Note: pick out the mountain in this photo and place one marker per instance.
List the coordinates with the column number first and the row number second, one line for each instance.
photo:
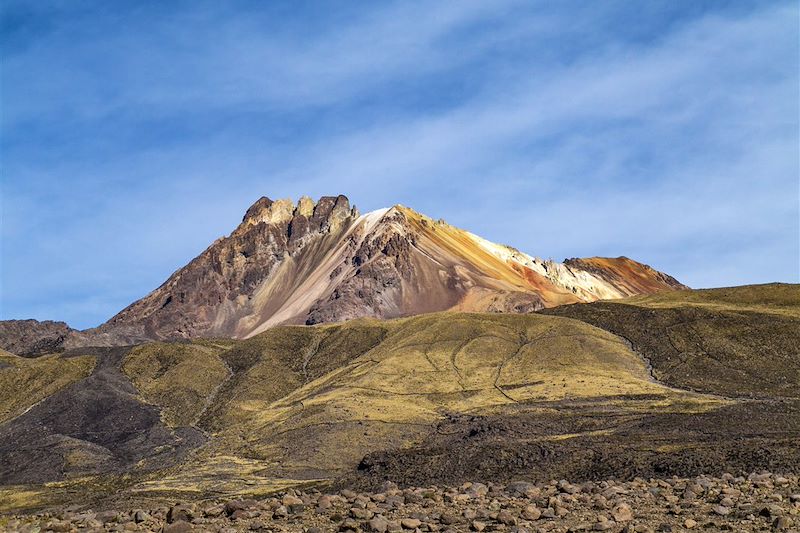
column 309, row 263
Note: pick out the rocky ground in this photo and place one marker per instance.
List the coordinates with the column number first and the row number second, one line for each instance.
column 758, row 502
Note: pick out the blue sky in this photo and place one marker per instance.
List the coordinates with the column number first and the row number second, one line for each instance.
column 133, row 134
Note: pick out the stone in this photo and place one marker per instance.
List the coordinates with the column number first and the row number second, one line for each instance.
column 349, row 524
column 622, row 513
column 179, row 513
column 106, row 516
column 178, row 527
column 477, row 525
column 361, row 514
column 531, row 512
column 234, row 505
column 689, row 523
column 505, row 517
column 410, row 523
column 721, row 510
column 520, row 487
column 240, row 514
column 214, row 511
column 378, row 524
column 141, row 516
column 59, row 526
column 394, row 525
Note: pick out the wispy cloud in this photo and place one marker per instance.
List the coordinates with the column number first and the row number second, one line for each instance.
column 670, row 135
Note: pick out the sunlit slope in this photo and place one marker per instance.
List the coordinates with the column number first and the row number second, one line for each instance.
column 306, row 404
column 739, row 341
column 24, row 382
column 410, row 374
column 778, row 298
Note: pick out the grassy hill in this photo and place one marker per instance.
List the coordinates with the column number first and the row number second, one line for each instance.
column 738, row 341
column 435, row 398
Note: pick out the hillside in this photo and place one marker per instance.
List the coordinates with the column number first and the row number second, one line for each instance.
column 737, row 341
column 436, row 398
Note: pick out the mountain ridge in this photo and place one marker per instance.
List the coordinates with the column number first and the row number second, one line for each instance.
column 320, row 262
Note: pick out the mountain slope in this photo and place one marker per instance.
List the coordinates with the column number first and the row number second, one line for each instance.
column 430, row 399
column 737, row 341
column 308, row 263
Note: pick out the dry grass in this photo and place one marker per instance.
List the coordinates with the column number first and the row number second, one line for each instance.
column 777, row 298
column 180, row 378
column 24, row 381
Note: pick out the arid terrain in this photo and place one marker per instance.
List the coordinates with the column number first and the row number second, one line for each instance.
column 324, row 369
column 686, row 384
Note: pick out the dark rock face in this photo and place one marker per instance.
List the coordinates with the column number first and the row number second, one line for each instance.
column 95, row 425
column 210, row 294
column 30, row 338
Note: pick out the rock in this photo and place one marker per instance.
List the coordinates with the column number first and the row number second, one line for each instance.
column 280, row 512
column 106, row 516
column 179, row 513
column 520, row 487
column 477, row 525
column 349, row 524
column 721, row 510
column 531, row 512
column 410, row 523
column 477, row 490
column 622, row 513
column 361, row 514
column 569, row 488
column 782, row 523
column 325, row 502
column 394, row 525
column 689, row 523
column 290, row 500
column 504, row 517
column 214, row 511
column 59, row 526
column 141, row 516
column 240, row 514
column 233, row 506
column 379, row 524
column 178, row 527
column 604, row 525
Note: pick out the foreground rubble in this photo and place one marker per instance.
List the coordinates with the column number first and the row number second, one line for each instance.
column 758, row 502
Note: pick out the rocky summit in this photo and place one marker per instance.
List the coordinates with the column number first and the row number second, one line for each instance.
column 320, row 262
